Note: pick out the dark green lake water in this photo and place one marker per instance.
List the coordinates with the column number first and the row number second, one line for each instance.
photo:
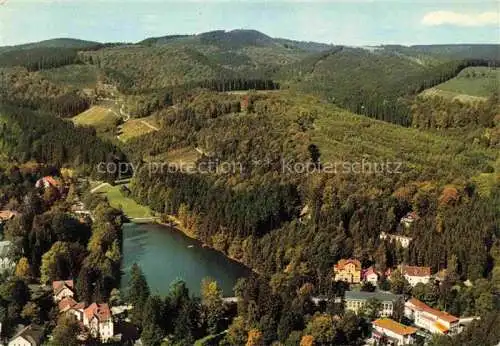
column 165, row 255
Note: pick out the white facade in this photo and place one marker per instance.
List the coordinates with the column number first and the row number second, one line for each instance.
column 399, row 239
column 6, row 264
column 372, row 278
column 432, row 320
column 19, row 341
column 63, row 293
column 393, row 337
column 414, row 280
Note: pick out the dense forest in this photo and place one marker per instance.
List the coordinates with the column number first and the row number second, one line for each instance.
column 27, row 135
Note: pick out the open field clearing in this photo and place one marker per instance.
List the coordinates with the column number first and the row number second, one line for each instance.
column 98, row 116
column 472, row 84
column 138, row 127
column 118, row 200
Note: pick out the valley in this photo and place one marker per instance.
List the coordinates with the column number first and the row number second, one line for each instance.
column 309, row 177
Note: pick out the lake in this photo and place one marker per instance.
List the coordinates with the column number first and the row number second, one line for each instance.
column 165, row 254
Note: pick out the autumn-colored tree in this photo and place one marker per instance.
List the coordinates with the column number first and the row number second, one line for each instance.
column 23, row 269
column 255, row 338
column 211, row 300
column 307, row 340
column 322, row 328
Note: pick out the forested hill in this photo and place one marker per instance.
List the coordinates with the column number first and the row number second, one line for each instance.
column 377, row 82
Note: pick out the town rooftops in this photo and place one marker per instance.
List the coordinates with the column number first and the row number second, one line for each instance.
column 394, row 326
column 343, row 262
column 381, row 296
column 419, row 305
column 66, row 303
column 57, row 286
column 32, row 334
column 99, row 311
column 415, row 271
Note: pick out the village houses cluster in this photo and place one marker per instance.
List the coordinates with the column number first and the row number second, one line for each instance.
column 423, row 317
column 96, row 318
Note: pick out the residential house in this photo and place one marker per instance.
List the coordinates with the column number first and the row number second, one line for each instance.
column 63, row 289
column 409, row 218
column 402, row 240
column 430, row 319
column 356, row 301
column 47, row 182
column 31, row 335
column 348, row 270
column 371, row 276
column 97, row 318
column 392, row 332
column 6, row 263
column 415, row 275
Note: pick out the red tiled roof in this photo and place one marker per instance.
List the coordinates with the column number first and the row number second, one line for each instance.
column 416, row 271
column 57, row 286
column 343, row 262
column 100, row 311
column 66, row 303
column 437, row 313
column 51, row 181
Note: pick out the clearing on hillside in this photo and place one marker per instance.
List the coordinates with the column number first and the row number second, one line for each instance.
column 138, row 127
column 471, row 84
column 103, row 119
column 118, row 200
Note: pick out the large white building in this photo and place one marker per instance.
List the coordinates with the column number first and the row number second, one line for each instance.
column 432, row 320
column 392, row 333
column 356, row 301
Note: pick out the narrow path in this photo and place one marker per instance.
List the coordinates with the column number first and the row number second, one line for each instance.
column 150, row 126
column 98, row 187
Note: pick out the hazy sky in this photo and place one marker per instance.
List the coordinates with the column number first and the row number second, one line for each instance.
column 351, row 22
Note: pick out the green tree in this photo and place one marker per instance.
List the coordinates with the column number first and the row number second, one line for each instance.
column 138, row 293
column 211, row 300
column 322, row 328
column 66, row 331
column 152, row 333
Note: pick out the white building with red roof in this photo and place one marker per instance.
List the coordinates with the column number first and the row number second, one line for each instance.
column 97, row 318
column 63, row 289
column 430, row 319
column 370, row 275
column 392, row 332
column 415, row 275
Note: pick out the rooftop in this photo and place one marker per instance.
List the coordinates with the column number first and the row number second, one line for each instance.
column 343, row 262
column 416, row 271
column 382, row 296
column 32, row 333
column 394, row 326
column 419, row 305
